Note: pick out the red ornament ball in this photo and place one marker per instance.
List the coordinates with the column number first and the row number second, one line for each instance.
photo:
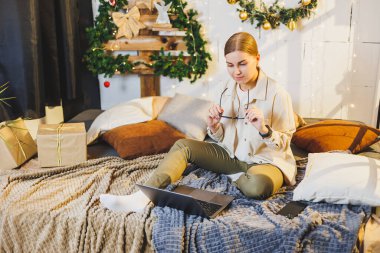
column 112, row 2
column 106, row 84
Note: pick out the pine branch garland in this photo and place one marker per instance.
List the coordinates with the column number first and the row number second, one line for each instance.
column 260, row 14
column 100, row 61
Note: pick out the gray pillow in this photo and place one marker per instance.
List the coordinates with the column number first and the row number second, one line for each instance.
column 187, row 114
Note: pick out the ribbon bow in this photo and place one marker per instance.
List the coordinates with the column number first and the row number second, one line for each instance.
column 128, row 24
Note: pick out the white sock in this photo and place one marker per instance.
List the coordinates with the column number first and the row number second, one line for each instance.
column 135, row 202
column 235, row 176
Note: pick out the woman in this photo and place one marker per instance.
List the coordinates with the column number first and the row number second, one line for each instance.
column 252, row 123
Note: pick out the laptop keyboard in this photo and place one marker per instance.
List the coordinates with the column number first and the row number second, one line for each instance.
column 209, row 208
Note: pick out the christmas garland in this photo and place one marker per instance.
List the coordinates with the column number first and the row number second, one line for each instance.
column 271, row 17
column 101, row 61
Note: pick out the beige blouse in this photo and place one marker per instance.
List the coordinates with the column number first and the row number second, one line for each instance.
column 242, row 140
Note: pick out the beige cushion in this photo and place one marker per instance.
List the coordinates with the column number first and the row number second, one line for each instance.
column 187, row 114
column 328, row 135
column 140, row 139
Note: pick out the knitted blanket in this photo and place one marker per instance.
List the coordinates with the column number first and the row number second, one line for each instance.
column 253, row 226
column 58, row 210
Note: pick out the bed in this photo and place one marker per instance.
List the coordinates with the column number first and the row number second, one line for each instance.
column 58, row 210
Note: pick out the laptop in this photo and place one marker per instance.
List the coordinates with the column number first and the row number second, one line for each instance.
column 188, row 199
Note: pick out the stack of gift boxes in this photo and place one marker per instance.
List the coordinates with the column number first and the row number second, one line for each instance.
column 57, row 144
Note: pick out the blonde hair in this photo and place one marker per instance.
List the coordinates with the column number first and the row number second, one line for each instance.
column 241, row 41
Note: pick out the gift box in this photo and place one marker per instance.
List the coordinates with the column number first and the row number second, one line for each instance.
column 16, row 144
column 61, row 144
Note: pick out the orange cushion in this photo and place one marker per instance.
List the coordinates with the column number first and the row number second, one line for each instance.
column 140, row 139
column 331, row 135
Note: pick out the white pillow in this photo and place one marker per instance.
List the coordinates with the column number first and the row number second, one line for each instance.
column 130, row 112
column 187, row 114
column 340, row 179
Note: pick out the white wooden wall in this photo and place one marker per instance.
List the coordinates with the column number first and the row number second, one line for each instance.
column 329, row 65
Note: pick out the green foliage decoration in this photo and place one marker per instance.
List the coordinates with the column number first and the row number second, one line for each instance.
column 101, row 61
column 3, row 99
column 259, row 13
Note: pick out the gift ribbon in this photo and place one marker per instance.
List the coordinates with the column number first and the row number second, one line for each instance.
column 9, row 124
column 59, row 144
column 59, row 130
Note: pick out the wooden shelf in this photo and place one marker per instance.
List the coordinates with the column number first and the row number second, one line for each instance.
column 150, row 20
column 151, row 43
column 151, row 40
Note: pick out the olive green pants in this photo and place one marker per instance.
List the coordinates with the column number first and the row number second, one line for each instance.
column 259, row 180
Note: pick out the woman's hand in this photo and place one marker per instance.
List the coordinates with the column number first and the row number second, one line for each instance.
column 256, row 117
column 213, row 118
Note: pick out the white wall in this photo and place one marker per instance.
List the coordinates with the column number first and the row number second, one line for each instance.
column 330, row 64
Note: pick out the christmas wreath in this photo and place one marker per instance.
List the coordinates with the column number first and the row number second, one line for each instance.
column 271, row 17
column 102, row 61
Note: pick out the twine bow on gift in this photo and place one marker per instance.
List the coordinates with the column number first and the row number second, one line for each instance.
column 58, row 131
column 128, row 24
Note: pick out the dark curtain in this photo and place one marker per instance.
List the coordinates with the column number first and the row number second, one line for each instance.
column 41, row 48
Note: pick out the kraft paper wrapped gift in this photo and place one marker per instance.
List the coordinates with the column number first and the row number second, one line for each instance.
column 16, row 144
column 61, row 144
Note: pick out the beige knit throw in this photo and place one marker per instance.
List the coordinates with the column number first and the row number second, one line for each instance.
column 58, row 210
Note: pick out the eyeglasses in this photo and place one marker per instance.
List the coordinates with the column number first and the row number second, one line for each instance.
column 229, row 117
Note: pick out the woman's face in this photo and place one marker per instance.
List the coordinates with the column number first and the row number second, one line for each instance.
column 242, row 67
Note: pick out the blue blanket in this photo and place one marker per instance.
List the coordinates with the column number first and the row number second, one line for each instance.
column 253, row 225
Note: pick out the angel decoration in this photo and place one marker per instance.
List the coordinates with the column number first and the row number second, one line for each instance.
column 163, row 17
